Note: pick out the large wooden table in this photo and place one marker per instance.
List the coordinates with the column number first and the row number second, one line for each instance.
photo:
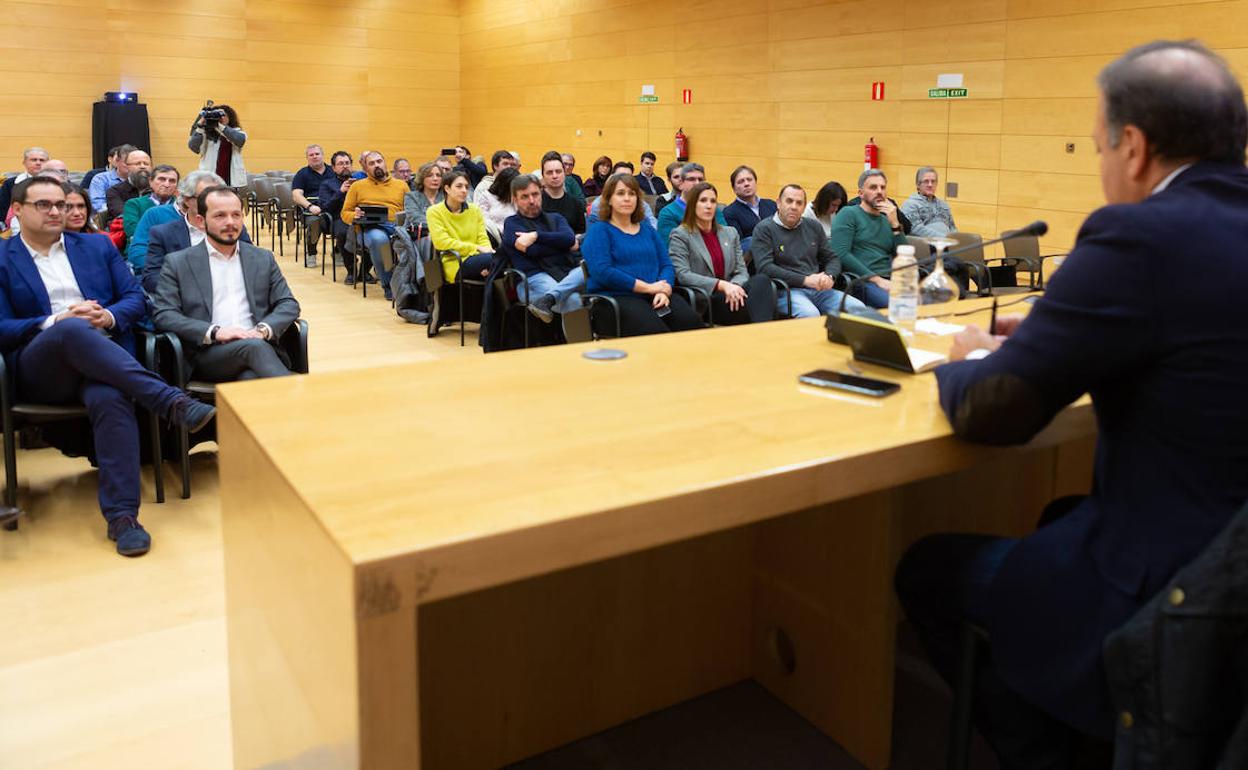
column 462, row 563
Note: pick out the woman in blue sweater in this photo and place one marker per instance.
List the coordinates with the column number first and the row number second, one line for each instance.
column 626, row 259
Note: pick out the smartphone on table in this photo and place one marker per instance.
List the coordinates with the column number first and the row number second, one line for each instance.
column 865, row 386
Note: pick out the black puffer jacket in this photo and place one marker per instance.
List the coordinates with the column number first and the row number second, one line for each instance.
column 1178, row 670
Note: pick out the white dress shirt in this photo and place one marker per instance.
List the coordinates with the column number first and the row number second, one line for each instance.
column 58, row 279
column 197, row 235
column 229, row 293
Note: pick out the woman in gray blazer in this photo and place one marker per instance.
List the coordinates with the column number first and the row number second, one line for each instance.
column 707, row 256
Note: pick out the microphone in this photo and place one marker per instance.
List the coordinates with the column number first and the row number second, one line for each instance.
column 1037, row 229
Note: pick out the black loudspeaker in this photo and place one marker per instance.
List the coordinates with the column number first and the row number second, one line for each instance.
column 114, row 123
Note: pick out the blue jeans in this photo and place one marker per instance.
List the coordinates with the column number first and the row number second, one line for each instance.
column 871, row 294
column 375, row 239
column 808, row 303
column 566, row 292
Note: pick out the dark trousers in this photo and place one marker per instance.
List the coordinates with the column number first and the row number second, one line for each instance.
column 472, row 266
column 637, row 316
column 341, row 233
column 760, row 304
column 239, row 360
column 312, row 228
column 944, row 580
column 73, row 363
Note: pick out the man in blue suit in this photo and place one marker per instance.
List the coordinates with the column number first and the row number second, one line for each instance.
column 1146, row 315
column 68, row 305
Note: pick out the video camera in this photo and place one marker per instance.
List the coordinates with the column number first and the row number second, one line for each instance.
column 211, row 115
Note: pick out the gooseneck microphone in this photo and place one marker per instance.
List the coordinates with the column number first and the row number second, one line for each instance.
column 1036, row 229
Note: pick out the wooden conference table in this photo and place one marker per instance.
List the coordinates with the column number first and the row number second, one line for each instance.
column 458, row 564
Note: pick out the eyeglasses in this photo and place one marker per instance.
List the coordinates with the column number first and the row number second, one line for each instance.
column 43, row 207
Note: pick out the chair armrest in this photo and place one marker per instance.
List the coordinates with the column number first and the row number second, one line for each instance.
column 703, row 307
column 782, row 287
column 593, row 300
column 159, row 348
column 511, row 274
column 295, row 342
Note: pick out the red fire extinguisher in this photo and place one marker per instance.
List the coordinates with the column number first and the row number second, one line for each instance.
column 870, row 155
column 682, row 145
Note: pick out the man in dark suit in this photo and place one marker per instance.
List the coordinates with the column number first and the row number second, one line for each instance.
column 180, row 230
column 1146, row 316
column 226, row 300
column 68, row 305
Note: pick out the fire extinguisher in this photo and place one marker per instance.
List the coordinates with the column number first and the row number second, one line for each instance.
column 870, row 155
column 682, row 145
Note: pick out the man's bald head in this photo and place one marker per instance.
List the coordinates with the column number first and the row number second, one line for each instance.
column 1182, row 97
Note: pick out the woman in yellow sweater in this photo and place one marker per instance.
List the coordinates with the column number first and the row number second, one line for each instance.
column 456, row 226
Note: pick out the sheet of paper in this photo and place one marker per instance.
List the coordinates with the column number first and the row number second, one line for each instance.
column 938, row 328
column 922, row 360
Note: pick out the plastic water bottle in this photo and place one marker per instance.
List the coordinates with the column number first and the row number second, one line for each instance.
column 903, row 296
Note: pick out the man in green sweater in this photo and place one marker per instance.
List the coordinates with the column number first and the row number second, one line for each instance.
column 866, row 236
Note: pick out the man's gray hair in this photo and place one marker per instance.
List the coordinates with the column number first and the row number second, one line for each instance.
column 186, row 188
column 310, row 146
column 688, row 167
column 864, row 176
column 918, row 175
column 26, row 153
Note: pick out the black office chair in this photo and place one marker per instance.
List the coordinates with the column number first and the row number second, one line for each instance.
column 17, row 414
column 164, row 355
column 448, row 302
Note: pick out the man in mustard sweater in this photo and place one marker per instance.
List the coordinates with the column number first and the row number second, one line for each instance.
column 376, row 189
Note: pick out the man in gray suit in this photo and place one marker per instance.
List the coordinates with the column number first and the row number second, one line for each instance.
column 226, row 300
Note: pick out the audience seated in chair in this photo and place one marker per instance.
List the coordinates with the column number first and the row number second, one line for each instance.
column 543, row 246
column 627, row 259
column 330, row 197
column 649, row 183
column 929, row 216
column 866, row 236
column 556, row 198
column 623, row 167
column 116, row 173
column 792, row 248
column 600, row 171
column 225, row 299
column 79, row 216
column 378, row 188
column 495, row 202
column 402, row 171
column 33, row 159
column 690, row 174
column 136, row 183
column 572, row 182
column 673, row 179
column 162, row 191
column 500, row 160
column 829, row 200
column 427, row 193
column 56, row 169
column 749, row 208
column 177, row 227
column 707, row 256
column 306, row 184
column 67, row 317
column 457, row 229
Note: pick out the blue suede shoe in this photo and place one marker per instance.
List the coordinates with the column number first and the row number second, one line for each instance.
column 192, row 414
column 132, row 539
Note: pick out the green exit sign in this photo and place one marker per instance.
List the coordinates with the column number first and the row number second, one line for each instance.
column 647, row 99
column 946, row 93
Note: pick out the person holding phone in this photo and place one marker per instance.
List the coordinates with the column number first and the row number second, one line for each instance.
column 627, row 260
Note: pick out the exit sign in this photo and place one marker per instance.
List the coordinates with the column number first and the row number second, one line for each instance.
column 946, row 93
column 647, row 99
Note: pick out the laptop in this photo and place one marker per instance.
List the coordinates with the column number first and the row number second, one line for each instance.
column 879, row 342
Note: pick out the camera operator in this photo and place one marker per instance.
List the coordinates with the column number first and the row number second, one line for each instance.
column 219, row 139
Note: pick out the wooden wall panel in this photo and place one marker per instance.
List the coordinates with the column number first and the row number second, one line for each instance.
column 297, row 71
column 786, row 87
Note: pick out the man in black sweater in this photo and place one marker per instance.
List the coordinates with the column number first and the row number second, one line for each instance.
column 555, row 196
